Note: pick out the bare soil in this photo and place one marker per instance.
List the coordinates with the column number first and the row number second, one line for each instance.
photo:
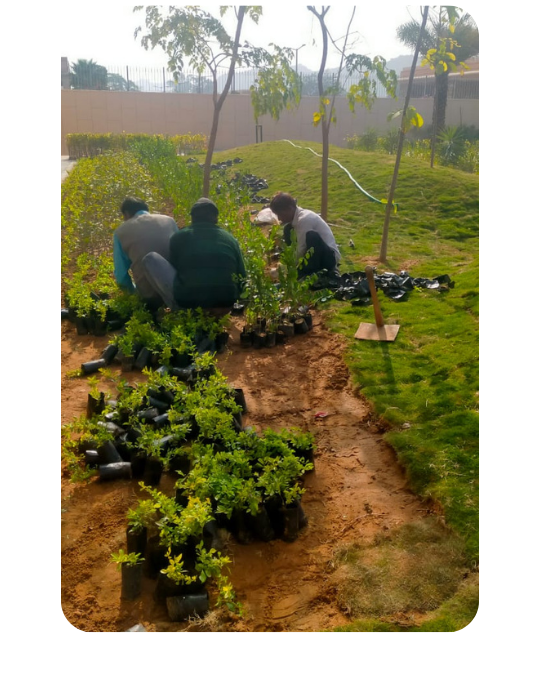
column 357, row 491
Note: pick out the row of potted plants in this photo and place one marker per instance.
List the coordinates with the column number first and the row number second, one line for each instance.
column 173, row 545
column 229, row 477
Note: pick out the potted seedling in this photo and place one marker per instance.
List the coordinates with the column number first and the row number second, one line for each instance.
column 190, row 604
column 166, row 513
column 126, row 351
column 246, row 336
column 235, row 492
column 130, row 401
column 98, row 317
column 182, row 348
column 180, row 528
column 71, row 451
column 130, row 565
column 301, row 442
column 174, row 579
column 80, row 304
column 205, row 365
column 271, row 314
column 121, row 307
column 138, row 333
column 278, row 480
column 111, row 465
column 100, row 437
column 296, row 293
column 214, row 424
column 179, row 459
column 139, row 520
column 149, row 444
column 227, row 596
column 193, row 484
column 96, row 399
column 183, row 528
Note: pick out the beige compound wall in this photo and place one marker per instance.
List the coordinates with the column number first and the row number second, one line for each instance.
column 159, row 113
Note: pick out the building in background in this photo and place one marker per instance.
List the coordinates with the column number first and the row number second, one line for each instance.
column 459, row 86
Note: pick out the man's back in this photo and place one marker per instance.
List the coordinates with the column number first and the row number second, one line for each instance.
column 305, row 221
column 145, row 233
column 205, row 257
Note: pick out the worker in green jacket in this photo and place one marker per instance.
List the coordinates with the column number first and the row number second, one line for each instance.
column 206, row 264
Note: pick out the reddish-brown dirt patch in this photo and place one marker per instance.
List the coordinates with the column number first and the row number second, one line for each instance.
column 356, row 491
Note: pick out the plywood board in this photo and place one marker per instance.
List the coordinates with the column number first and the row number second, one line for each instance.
column 370, row 331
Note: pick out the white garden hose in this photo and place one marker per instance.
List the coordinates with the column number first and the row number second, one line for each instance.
column 373, row 199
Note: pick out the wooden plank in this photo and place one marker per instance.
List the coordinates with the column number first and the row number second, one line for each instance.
column 370, row 331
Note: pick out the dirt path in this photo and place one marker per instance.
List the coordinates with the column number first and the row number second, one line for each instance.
column 356, row 491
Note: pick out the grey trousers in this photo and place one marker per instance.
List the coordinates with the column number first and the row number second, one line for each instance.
column 160, row 275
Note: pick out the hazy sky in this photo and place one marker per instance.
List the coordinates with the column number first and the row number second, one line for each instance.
column 105, row 32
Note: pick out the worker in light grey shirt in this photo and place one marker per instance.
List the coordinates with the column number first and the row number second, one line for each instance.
column 312, row 233
column 140, row 235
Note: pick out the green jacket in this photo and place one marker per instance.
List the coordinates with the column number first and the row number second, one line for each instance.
column 205, row 257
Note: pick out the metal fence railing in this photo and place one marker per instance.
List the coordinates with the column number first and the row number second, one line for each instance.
column 128, row 78
column 458, row 88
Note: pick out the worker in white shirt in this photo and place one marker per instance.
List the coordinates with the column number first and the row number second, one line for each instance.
column 311, row 233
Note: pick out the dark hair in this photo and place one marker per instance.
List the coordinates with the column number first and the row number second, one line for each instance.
column 204, row 210
column 282, row 200
column 131, row 205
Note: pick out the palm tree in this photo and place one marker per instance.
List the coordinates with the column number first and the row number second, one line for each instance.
column 466, row 36
column 88, row 75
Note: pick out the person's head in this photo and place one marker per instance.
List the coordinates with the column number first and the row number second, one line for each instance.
column 284, row 206
column 204, row 210
column 131, row 205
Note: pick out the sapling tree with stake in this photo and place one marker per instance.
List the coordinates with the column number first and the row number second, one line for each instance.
column 409, row 117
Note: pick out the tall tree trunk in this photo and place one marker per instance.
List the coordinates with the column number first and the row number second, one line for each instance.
column 384, row 241
column 324, row 173
column 440, row 99
column 441, row 92
column 218, row 103
column 433, row 131
column 324, row 122
column 328, row 108
column 210, row 151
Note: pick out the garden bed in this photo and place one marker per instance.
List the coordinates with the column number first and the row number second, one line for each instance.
column 356, row 492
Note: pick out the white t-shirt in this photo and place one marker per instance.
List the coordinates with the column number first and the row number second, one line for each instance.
column 305, row 221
